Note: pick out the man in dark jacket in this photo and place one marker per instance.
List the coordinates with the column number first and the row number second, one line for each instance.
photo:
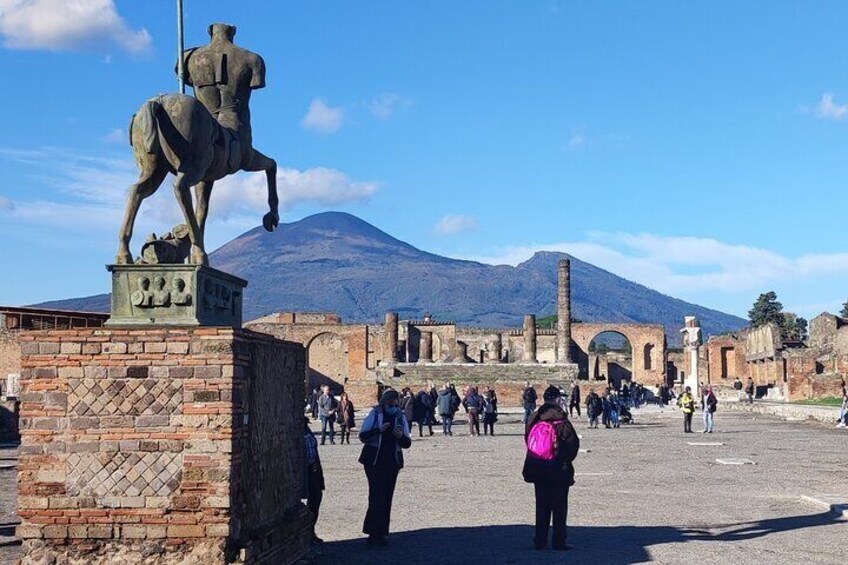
column 552, row 477
column 528, row 400
column 594, row 408
column 445, row 404
column 574, row 399
column 313, row 483
column 327, row 405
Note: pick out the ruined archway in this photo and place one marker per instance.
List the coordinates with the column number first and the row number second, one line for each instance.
column 648, row 349
column 327, row 359
column 610, row 356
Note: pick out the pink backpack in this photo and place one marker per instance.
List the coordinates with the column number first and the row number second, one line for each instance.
column 542, row 440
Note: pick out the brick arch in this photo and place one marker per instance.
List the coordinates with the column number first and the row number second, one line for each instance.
column 327, row 360
column 640, row 337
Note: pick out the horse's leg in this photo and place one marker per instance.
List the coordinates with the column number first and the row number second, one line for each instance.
column 152, row 175
column 259, row 162
column 202, row 190
column 182, row 190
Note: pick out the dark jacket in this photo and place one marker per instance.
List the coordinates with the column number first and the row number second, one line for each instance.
column 327, row 405
column 529, row 396
column 346, row 413
column 473, row 402
column 445, row 403
column 372, row 437
column 575, row 395
column 568, row 445
column 594, row 405
column 422, row 408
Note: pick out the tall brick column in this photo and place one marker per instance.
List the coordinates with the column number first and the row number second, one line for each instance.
column 161, row 445
column 530, row 338
column 564, row 311
column 392, row 336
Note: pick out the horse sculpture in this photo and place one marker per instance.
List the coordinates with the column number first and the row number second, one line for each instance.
column 178, row 134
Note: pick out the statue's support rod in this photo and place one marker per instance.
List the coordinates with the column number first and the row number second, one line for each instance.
column 180, row 46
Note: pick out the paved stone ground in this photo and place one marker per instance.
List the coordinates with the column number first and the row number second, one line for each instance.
column 642, row 495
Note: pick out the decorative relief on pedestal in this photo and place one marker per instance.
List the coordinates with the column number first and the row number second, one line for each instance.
column 187, row 295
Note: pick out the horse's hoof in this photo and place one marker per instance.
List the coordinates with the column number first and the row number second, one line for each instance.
column 199, row 257
column 270, row 221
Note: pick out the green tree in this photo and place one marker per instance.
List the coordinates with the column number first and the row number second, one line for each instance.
column 766, row 310
column 844, row 311
column 793, row 327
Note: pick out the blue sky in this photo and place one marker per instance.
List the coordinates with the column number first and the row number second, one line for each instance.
column 698, row 148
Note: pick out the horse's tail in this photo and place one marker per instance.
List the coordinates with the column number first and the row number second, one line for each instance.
column 148, row 125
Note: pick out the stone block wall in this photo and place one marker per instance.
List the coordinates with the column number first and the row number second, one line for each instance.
column 142, row 446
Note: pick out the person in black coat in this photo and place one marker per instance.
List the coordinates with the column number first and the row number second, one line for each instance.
column 384, row 433
column 422, row 410
column 553, row 477
column 313, row 479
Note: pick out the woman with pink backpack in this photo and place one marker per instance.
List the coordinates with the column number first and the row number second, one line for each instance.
column 552, row 445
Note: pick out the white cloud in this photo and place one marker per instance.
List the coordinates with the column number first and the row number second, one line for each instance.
column 684, row 266
column 117, row 135
column 59, row 25
column 827, row 109
column 386, row 104
column 248, row 192
column 455, row 223
column 577, row 139
column 85, row 196
column 322, row 118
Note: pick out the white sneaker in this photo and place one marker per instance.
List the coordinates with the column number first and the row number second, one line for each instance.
column 840, row 425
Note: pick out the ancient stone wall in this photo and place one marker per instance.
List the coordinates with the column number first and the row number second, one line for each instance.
column 10, row 356
column 148, row 446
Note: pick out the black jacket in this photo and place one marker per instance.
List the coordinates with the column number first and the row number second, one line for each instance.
column 568, row 445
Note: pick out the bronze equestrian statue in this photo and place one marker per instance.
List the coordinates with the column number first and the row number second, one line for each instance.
column 200, row 140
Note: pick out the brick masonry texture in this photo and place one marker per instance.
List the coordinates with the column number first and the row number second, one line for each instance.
column 161, row 446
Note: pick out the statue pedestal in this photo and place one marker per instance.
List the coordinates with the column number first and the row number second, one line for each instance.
column 161, row 445
column 175, row 295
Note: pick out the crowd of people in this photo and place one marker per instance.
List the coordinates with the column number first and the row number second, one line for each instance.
column 550, row 439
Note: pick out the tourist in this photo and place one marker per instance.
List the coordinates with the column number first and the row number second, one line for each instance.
column 490, row 412
column 313, row 484
column 423, row 411
column 447, row 409
column 749, row 390
column 346, row 413
column 327, row 405
column 313, row 403
column 528, row 400
column 709, row 403
column 625, row 395
column 843, row 413
column 594, row 407
column 385, row 433
column 606, row 408
column 552, row 445
column 738, row 386
column 473, row 405
column 615, row 404
column 574, row 399
column 687, row 403
column 434, row 397
column 407, row 404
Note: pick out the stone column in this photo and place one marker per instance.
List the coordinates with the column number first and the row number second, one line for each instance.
column 493, row 352
column 392, row 336
column 564, row 311
column 425, row 348
column 530, row 338
column 692, row 342
column 402, row 348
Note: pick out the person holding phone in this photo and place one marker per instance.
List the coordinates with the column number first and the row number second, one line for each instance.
column 385, row 434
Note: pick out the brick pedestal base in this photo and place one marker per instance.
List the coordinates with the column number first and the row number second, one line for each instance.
column 161, row 446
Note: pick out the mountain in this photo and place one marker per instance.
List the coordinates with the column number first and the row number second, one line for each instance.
column 337, row 262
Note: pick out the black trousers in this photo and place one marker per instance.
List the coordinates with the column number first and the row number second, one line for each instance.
column 551, row 502
column 382, row 479
column 572, row 406
column 313, row 501
column 687, row 421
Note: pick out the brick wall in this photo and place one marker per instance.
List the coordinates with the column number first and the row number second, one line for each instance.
column 140, row 446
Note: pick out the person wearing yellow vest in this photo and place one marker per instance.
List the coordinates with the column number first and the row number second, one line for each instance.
column 687, row 403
